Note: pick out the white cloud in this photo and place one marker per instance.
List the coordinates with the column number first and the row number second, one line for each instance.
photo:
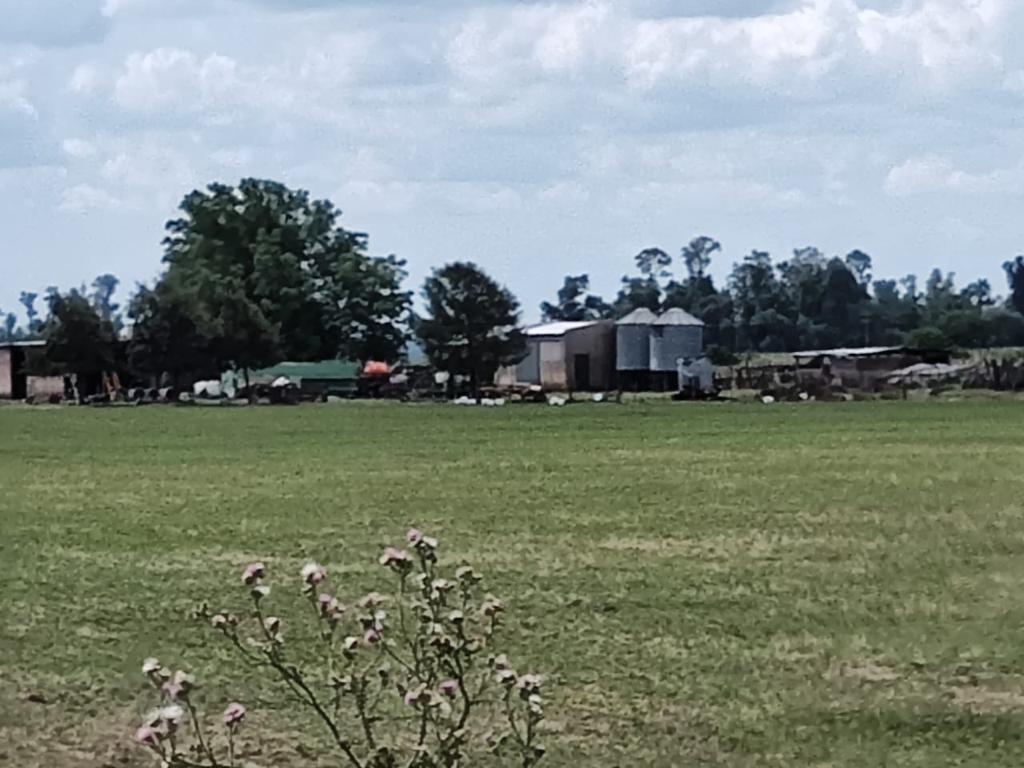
column 83, row 198
column 13, row 98
column 174, row 79
column 78, row 148
column 933, row 173
column 85, row 79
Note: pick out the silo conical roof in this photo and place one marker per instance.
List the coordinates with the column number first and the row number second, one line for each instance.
column 678, row 317
column 641, row 316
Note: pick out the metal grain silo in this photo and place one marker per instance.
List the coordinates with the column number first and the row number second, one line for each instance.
column 675, row 335
column 633, row 341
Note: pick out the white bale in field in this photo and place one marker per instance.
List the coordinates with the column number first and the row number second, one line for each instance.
column 499, row 402
column 767, row 399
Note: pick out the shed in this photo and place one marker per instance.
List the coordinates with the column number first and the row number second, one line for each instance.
column 325, row 377
column 863, row 367
column 15, row 381
column 568, row 355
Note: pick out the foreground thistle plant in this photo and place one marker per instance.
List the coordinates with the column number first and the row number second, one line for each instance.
column 404, row 680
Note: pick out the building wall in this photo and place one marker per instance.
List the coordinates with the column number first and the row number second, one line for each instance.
column 528, row 370
column 598, row 343
column 554, row 373
column 42, row 387
column 6, row 374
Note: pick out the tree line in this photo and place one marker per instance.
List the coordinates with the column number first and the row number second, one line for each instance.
column 258, row 273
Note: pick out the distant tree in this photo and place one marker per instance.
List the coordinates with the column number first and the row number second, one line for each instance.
column 575, row 302
column 10, row 324
column 471, row 328
column 78, row 339
column 646, row 290
column 978, row 294
column 104, row 288
column 28, row 300
column 758, row 298
column 653, row 262
column 859, row 263
column 1015, row 276
column 167, row 338
column 698, row 285
column 927, row 337
column 696, row 255
column 637, row 293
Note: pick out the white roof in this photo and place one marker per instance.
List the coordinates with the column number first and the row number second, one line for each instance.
column 849, row 352
column 560, row 328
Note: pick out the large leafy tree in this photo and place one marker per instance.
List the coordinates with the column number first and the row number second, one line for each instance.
column 79, row 340
column 270, row 275
column 366, row 312
column 471, row 327
column 575, row 302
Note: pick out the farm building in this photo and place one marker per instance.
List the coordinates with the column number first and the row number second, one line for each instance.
column 863, row 368
column 326, row 377
column 574, row 356
column 15, row 382
column 651, row 346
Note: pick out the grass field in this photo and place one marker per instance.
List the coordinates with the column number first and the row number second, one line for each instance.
column 734, row 585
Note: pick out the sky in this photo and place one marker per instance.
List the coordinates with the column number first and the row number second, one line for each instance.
column 536, row 139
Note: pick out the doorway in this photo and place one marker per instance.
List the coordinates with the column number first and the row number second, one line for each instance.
column 581, row 372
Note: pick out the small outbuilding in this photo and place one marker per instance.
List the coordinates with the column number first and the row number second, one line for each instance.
column 864, row 368
column 575, row 356
column 317, row 379
column 16, row 383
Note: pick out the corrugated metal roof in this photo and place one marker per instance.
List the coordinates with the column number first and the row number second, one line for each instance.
column 559, row 328
column 339, row 370
column 28, row 343
column 849, row 352
column 640, row 316
column 678, row 316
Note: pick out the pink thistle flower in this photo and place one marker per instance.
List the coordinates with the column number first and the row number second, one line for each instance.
column 147, row 737
column 253, row 573
column 371, row 600
column 172, row 690
column 371, row 637
column 396, row 559
column 313, row 574
column 326, row 604
column 411, row 697
column 414, row 536
column 234, row 715
column 449, row 688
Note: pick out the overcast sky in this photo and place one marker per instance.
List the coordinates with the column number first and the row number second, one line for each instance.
column 534, row 138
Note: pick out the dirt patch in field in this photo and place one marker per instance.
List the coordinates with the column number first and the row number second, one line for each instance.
column 984, row 700
column 867, row 671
